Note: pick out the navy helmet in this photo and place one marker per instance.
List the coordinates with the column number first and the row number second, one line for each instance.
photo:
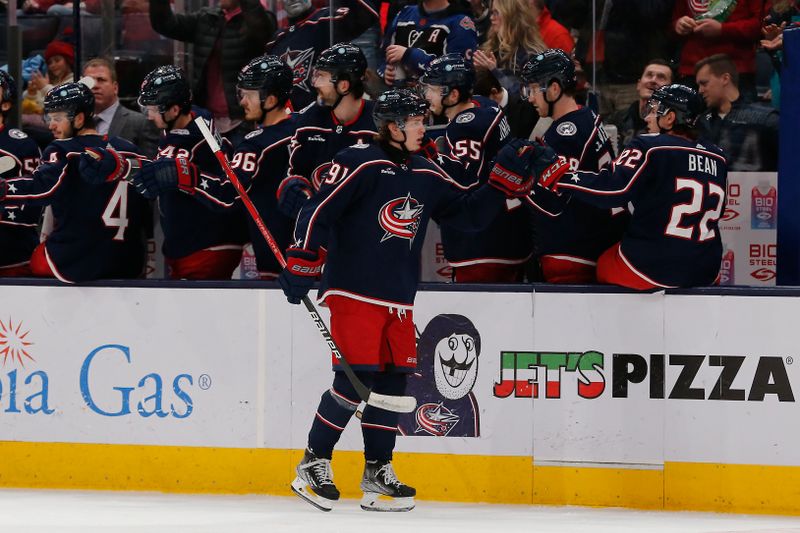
column 164, row 87
column 344, row 61
column 397, row 105
column 72, row 98
column 549, row 66
column 269, row 76
column 450, row 71
column 687, row 103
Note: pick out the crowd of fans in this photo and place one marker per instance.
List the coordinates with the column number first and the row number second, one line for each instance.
column 620, row 56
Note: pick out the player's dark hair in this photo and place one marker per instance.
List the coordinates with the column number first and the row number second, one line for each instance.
column 719, row 64
column 485, row 81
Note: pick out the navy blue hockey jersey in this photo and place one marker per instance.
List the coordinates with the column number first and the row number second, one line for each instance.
column 474, row 137
column 188, row 225
column 99, row 229
column 300, row 44
column 677, row 188
column 260, row 163
column 429, row 35
column 373, row 213
column 567, row 227
column 19, row 232
column 320, row 136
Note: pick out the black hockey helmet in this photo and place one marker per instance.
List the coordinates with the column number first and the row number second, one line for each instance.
column 269, row 76
column 551, row 65
column 687, row 103
column 164, row 87
column 450, row 71
column 72, row 98
column 343, row 59
column 396, row 105
column 9, row 86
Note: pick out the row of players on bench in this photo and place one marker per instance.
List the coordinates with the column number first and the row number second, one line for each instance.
column 643, row 219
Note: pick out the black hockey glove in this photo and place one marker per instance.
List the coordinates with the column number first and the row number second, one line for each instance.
column 293, row 192
column 302, row 268
column 101, row 165
column 513, row 168
column 549, row 168
column 166, row 174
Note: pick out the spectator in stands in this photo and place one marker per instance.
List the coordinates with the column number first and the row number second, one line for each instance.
column 60, row 57
column 630, row 122
column 225, row 38
column 522, row 117
column 733, row 29
column 747, row 132
column 554, row 34
column 422, row 32
column 513, row 38
column 113, row 119
column 783, row 13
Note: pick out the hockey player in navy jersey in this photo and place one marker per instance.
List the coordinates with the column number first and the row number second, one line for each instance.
column 341, row 117
column 477, row 128
column 19, row 233
column 99, row 231
column 259, row 161
column 676, row 184
column 570, row 234
column 199, row 243
column 421, row 32
column 372, row 211
column 309, row 34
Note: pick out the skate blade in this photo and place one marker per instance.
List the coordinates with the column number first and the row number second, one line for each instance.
column 300, row 488
column 381, row 503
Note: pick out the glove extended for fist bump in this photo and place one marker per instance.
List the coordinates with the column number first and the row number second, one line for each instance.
column 167, row 174
column 513, row 170
column 103, row 165
column 293, row 192
column 302, row 268
column 549, row 168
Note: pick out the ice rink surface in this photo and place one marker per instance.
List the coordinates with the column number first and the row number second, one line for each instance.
column 39, row 511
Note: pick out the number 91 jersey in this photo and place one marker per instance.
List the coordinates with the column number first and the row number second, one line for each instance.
column 98, row 229
column 677, row 189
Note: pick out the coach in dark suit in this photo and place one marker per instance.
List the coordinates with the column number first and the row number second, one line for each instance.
column 111, row 117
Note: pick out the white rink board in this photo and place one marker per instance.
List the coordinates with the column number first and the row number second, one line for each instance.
column 254, row 368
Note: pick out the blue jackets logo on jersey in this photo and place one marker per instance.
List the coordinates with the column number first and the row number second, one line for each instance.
column 300, row 61
column 400, row 218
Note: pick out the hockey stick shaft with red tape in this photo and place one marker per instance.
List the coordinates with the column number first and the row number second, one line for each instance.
column 400, row 404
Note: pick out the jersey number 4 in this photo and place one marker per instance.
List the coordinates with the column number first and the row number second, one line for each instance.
column 115, row 214
column 694, row 206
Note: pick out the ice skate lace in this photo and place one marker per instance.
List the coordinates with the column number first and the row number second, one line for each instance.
column 389, row 477
column 322, row 471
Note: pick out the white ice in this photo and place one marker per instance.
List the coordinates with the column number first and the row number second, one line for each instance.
column 35, row 511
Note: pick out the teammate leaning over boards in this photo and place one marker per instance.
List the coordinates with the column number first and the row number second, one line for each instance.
column 99, row 231
column 198, row 243
column 19, row 234
column 676, row 184
column 372, row 210
column 260, row 160
column 570, row 234
column 477, row 128
column 339, row 118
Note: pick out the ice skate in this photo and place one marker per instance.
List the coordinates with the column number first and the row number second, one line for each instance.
column 383, row 491
column 314, row 482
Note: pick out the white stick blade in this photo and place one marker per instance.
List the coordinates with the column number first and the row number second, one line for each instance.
column 7, row 163
column 209, row 137
column 397, row 404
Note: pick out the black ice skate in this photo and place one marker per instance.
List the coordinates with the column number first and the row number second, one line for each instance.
column 314, row 482
column 383, row 491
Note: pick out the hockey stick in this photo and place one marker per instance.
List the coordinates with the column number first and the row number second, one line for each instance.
column 7, row 163
column 399, row 404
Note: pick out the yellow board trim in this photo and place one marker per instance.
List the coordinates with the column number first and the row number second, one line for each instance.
column 441, row 477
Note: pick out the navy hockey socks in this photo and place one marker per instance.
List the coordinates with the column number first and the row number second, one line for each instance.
column 378, row 426
column 336, row 407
